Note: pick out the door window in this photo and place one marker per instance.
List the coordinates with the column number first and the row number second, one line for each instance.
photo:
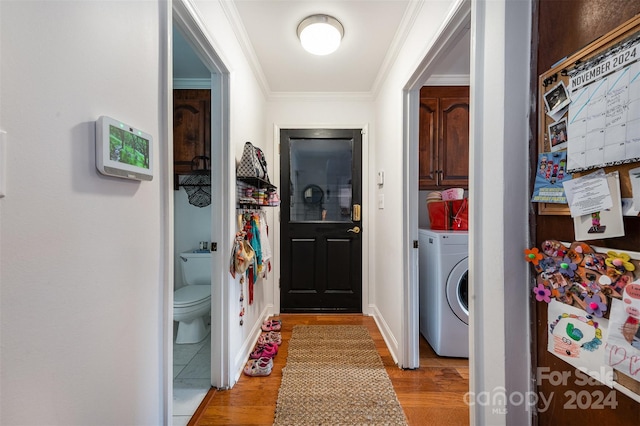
column 321, row 177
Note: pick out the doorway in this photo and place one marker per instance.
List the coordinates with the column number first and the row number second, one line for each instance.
column 214, row 77
column 192, row 209
column 415, row 206
column 321, row 220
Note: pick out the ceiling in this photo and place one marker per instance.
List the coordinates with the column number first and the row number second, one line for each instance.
column 373, row 31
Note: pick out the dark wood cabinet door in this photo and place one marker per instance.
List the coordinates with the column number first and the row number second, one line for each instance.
column 428, row 143
column 191, row 128
column 444, row 137
column 453, row 154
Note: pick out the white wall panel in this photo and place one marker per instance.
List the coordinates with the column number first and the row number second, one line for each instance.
column 81, row 299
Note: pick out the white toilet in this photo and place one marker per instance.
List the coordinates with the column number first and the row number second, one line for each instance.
column 192, row 303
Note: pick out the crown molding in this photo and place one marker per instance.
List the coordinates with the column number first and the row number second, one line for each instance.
column 448, row 80
column 408, row 20
column 321, row 96
column 239, row 30
column 192, row 83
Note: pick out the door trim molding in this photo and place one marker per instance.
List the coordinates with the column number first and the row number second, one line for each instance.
column 366, row 209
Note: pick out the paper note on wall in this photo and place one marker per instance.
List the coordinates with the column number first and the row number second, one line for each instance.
column 606, row 223
column 623, row 345
column 577, row 338
column 588, row 194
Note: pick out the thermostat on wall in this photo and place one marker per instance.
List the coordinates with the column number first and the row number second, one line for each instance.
column 122, row 150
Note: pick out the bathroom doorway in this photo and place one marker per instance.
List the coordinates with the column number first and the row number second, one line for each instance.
column 197, row 69
column 192, row 215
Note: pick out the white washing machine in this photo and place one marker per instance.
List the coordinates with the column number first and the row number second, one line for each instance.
column 444, row 308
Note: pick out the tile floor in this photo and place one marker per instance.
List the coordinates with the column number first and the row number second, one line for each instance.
column 191, row 378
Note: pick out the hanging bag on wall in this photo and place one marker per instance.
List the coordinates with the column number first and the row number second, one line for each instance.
column 253, row 164
column 242, row 255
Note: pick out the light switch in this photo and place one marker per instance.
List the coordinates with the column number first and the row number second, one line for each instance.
column 381, row 177
column 380, row 201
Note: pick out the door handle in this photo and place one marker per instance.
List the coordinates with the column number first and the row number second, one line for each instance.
column 355, row 230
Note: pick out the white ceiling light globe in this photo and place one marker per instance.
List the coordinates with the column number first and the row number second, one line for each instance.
column 320, row 34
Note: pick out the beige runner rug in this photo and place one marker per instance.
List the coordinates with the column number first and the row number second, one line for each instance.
column 335, row 376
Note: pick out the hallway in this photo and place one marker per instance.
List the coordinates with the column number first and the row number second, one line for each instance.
column 430, row 395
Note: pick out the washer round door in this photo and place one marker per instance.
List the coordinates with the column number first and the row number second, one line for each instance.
column 458, row 290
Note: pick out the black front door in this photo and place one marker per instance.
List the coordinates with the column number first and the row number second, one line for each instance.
column 321, row 235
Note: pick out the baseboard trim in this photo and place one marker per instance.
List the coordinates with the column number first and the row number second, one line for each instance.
column 250, row 343
column 387, row 335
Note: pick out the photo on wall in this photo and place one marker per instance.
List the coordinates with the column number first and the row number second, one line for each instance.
column 557, row 100
column 558, row 136
column 550, row 175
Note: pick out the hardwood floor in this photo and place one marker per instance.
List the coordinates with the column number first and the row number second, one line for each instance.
column 430, row 395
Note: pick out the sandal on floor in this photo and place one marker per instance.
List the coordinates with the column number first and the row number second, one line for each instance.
column 270, row 337
column 258, row 367
column 268, row 350
column 271, row 325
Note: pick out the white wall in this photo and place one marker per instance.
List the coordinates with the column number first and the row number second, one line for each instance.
column 247, row 123
column 80, row 266
column 319, row 112
column 192, row 224
column 387, row 260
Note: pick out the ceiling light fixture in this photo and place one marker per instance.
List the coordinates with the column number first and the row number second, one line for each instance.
column 320, row 34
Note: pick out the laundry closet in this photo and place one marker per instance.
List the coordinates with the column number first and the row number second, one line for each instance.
column 443, row 225
column 443, row 206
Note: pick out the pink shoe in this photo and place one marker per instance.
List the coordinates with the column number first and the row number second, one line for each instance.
column 270, row 337
column 258, row 367
column 271, row 325
column 268, row 350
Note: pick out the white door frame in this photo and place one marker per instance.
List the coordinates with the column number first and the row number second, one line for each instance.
column 185, row 17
